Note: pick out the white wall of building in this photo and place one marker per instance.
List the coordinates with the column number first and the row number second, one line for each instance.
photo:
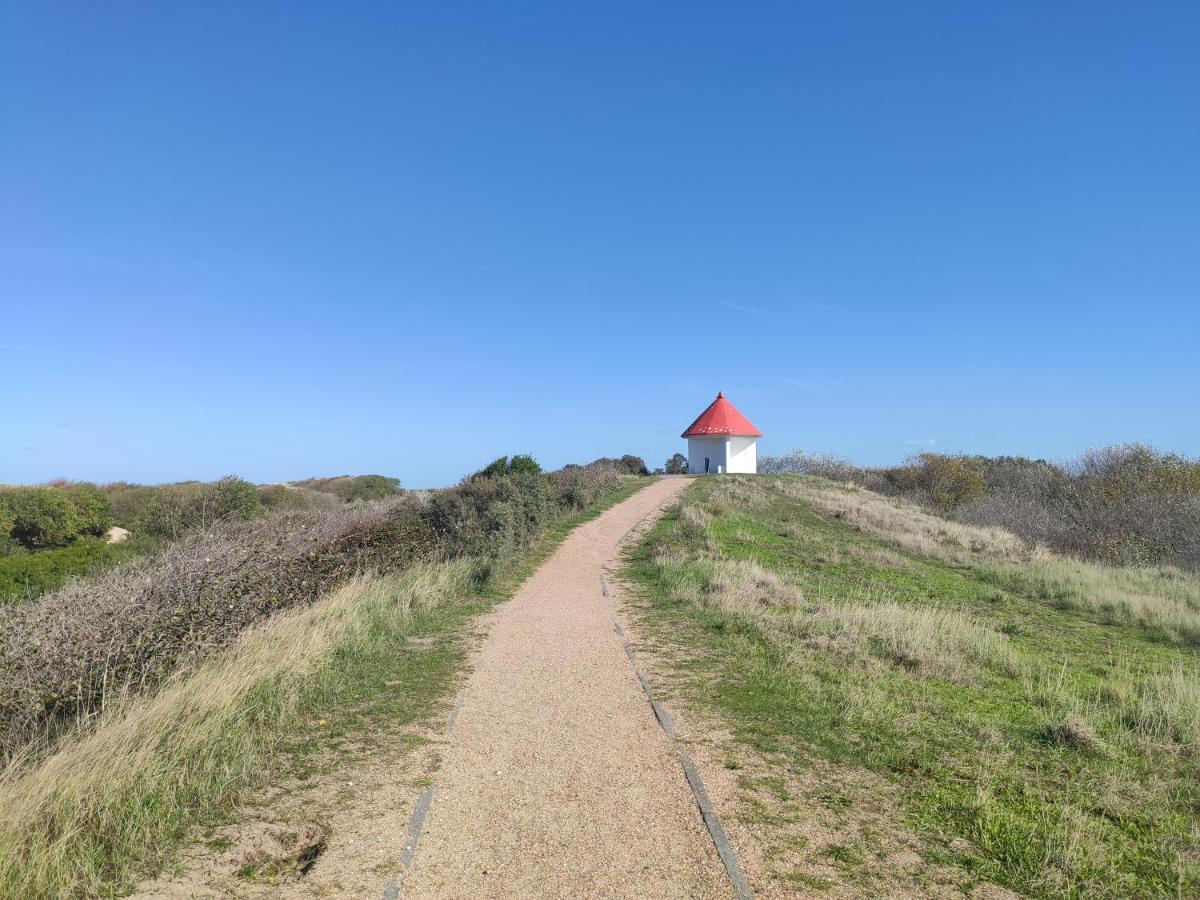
column 710, row 448
column 742, row 455
column 724, row 454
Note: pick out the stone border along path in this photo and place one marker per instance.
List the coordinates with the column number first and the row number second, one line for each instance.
column 561, row 773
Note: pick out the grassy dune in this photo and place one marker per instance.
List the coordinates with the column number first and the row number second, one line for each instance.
column 1035, row 720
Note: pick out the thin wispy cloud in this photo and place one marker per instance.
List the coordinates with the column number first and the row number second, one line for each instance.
column 739, row 307
column 920, row 442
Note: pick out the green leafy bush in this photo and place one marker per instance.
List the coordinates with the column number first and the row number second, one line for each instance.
column 524, row 464
column 41, row 516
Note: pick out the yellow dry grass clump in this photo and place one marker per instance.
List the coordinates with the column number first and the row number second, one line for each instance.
column 141, row 766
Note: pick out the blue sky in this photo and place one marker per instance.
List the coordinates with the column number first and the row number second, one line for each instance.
column 297, row 239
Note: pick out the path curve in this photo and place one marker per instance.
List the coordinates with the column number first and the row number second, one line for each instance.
column 557, row 780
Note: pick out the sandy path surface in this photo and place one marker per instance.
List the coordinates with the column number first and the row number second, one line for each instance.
column 557, row 780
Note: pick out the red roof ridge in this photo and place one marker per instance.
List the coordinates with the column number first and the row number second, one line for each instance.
column 721, row 417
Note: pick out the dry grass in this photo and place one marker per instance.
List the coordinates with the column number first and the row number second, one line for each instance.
column 905, row 524
column 74, row 820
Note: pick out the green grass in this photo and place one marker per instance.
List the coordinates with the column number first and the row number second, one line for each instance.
column 25, row 576
column 1027, row 744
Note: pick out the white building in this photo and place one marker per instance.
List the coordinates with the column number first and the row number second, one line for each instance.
column 722, row 440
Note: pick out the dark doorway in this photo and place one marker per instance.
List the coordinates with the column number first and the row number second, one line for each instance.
column 706, row 465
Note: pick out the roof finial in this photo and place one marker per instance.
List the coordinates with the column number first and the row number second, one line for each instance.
column 720, row 394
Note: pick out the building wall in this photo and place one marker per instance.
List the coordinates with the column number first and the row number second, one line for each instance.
column 711, row 447
column 742, row 455
column 725, row 454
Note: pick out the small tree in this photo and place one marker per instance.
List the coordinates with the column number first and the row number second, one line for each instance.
column 677, row 465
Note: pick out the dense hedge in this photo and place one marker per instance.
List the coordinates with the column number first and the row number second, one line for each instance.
column 61, row 654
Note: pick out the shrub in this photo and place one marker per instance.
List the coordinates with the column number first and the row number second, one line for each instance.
column 627, row 464
column 41, row 516
column 676, row 465
column 949, row 480
column 576, row 487
column 522, row 464
column 171, row 510
column 349, row 488
column 91, row 506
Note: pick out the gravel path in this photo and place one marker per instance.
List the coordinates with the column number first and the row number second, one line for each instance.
column 557, row 780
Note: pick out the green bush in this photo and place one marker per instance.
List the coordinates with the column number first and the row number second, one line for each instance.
column 41, row 516
column 524, row 464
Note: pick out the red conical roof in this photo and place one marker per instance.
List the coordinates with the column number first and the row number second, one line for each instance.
column 721, row 418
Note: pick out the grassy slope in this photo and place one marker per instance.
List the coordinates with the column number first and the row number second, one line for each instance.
column 1027, row 744
column 291, row 699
